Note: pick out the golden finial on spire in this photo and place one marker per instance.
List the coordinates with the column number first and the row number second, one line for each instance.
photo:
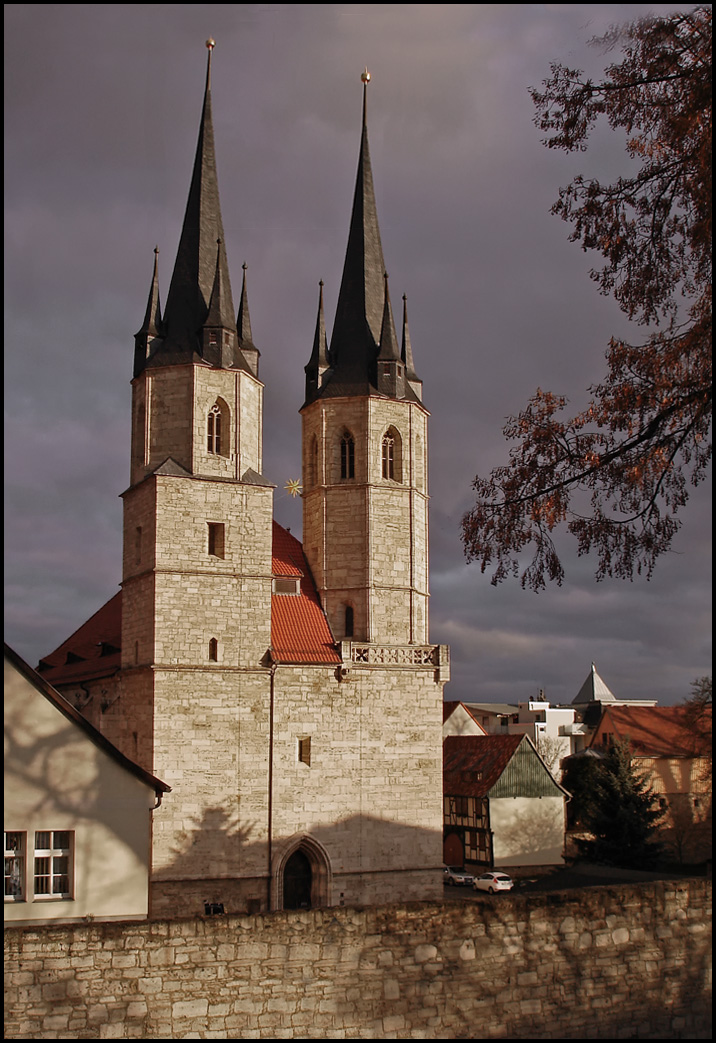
column 210, row 45
column 365, row 76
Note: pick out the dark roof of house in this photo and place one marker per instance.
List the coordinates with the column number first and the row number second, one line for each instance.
column 472, row 764
column 653, row 731
column 72, row 714
column 495, row 766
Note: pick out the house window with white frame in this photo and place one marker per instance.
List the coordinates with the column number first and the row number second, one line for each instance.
column 53, row 858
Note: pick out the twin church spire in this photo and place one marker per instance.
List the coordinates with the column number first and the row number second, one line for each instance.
column 363, row 357
column 198, row 322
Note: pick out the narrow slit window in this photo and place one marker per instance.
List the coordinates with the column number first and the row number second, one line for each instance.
column 304, row 750
column 213, row 650
column 349, row 621
column 348, row 456
column 216, row 540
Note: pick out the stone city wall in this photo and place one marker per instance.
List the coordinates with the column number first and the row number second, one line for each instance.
column 610, row 962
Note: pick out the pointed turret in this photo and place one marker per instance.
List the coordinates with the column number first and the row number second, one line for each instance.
column 391, row 371
column 219, row 331
column 148, row 338
column 594, row 690
column 250, row 352
column 195, row 273
column 407, row 355
column 318, row 363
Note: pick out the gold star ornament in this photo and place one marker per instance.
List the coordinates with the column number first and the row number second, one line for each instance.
column 293, row 487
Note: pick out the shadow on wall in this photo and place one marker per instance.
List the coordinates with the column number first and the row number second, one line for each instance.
column 395, row 862
column 536, row 838
column 57, row 778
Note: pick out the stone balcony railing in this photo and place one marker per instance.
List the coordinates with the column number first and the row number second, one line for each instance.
column 360, row 653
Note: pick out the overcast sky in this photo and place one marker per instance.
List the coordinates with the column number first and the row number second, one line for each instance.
column 102, row 109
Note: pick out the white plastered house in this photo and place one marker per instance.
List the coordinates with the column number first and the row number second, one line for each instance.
column 77, row 815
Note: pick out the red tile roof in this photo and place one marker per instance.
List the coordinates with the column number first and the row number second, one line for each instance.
column 92, row 652
column 472, row 764
column 299, row 628
column 653, row 731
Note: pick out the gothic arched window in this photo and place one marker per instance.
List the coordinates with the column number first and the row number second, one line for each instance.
column 391, row 450
column 348, row 456
column 217, row 429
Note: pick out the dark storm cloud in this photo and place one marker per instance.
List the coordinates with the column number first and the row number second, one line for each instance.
column 102, row 111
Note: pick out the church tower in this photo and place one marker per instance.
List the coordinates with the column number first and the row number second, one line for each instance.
column 365, row 517
column 197, row 575
column 304, row 759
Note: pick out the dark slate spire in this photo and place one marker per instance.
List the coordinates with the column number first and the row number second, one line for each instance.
column 148, row 337
column 249, row 350
column 356, row 331
column 195, row 267
column 407, row 355
column 318, row 362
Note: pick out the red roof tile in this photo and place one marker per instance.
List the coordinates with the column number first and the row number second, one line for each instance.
column 299, row 628
column 653, row 731
column 93, row 651
column 472, row 764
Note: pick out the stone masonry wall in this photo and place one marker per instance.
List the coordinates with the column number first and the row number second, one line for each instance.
column 600, row 963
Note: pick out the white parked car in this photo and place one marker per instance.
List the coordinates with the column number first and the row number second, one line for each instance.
column 455, row 876
column 493, row 882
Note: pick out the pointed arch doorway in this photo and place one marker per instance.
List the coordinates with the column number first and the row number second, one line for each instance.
column 302, row 875
column 297, row 880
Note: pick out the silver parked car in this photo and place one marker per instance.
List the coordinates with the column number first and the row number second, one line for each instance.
column 455, row 876
column 493, row 882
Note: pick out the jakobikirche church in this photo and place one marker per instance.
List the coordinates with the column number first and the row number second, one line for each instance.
column 287, row 692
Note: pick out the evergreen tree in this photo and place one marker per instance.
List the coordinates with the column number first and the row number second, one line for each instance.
column 581, row 774
column 625, row 815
